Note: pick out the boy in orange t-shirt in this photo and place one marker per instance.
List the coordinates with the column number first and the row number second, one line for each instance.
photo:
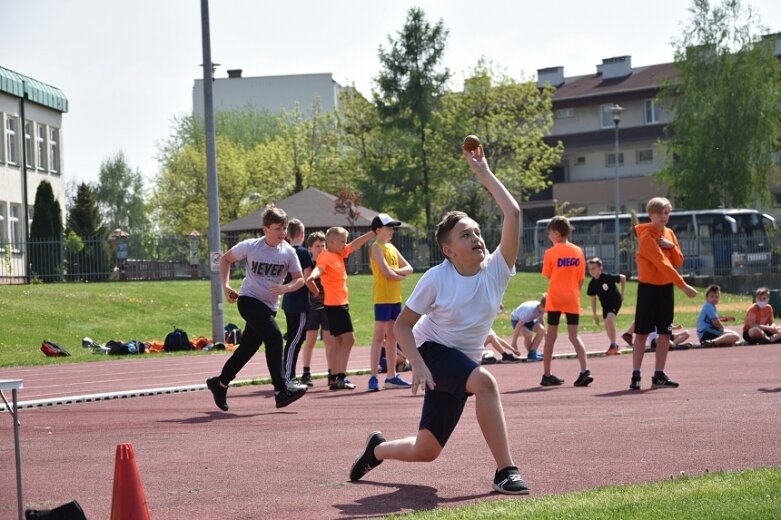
column 565, row 266
column 758, row 326
column 332, row 271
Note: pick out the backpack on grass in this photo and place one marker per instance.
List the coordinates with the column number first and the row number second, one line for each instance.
column 177, row 340
column 51, row 349
column 232, row 334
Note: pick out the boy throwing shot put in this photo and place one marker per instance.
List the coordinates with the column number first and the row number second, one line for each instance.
column 442, row 329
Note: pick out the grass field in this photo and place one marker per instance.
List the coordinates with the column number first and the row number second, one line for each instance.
column 749, row 495
column 64, row 313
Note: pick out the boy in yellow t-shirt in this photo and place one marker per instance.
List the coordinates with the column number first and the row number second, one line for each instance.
column 389, row 268
column 332, row 271
column 565, row 266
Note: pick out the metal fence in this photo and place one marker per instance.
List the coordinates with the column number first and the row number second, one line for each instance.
column 153, row 257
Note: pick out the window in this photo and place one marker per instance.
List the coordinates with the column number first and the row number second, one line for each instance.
column 645, row 156
column 54, row 149
column 651, row 111
column 40, row 143
column 29, row 150
column 16, row 229
column 610, row 159
column 607, row 116
column 11, row 146
column 3, row 228
column 580, row 160
column 565, row 113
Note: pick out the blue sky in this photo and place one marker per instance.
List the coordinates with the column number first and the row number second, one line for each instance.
column 127, row 67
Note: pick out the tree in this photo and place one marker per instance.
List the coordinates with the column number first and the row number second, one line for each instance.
column 410, row 84
column 725, row 103
column 46, row 235
column 120, row 196
column 92, row 261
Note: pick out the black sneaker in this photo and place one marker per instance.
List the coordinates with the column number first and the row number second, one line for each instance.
column 341, row 384
column 366, row 461
column 306, row 379
column 510, row 482
column 584, row 379
column 219, row 393
column 551, row 380
column 289, row 396
column 662, row 381
column 635, row 383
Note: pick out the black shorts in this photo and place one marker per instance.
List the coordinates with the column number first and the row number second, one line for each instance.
column 709, row 336
column 655, row 309
column 555, row 316
column 442, row 408
column 614, row 308
column 339, row 319
column 316, row 319
column 751, row 341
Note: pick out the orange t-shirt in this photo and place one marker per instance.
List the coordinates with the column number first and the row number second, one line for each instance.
column 655, row 265
column 761, row 316
column 334, row 276
column 565, row 265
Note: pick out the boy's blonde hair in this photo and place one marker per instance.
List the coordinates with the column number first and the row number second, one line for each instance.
column 657, row 205
column 762, row 291
column 543, row 299
column 335, row 231
column 273, row 215
column 596, row 261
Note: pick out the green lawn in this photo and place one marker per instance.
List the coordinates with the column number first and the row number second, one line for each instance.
column 752, row 494
column 64, row 313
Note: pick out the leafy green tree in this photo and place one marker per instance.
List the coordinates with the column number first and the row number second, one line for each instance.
column 410, row 84
column 511, row 118
column 92, row 261
column 46, row 259
column 120, row 195
column 725, row 102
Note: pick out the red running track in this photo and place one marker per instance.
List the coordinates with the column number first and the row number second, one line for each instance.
column 258, row 462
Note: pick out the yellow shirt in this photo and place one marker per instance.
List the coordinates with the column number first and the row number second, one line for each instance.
column 385, row 290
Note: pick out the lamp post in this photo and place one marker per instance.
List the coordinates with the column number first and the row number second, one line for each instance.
column 616, row 110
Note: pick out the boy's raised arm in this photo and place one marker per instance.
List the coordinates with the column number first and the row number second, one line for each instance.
column 511, row 224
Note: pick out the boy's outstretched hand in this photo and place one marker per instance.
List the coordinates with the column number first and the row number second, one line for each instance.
column 476, row 160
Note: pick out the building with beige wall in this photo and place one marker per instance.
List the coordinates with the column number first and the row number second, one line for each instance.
column 31, row 151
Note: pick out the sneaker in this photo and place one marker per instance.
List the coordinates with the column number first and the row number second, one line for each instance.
column 509, row 357
column 584, row 379
column 306, row 379
column 342, row 384
column 288, row 396
column 662, row 381
column 635, row 383
column 510, row 482
column 551, row 380
column 219, row 393
column 294, row 385
column 397, row 382
column 707, row 343
column 533, row 356
column 374, row 385
column 613, row 350
column 366, row 461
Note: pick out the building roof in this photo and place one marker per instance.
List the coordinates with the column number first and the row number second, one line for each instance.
column 649, row 77
column 311, row 206
column 16, row 84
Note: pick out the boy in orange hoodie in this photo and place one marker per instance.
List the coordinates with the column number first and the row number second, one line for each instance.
column 658, row 256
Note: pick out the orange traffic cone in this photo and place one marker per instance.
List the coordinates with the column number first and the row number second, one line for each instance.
column 128, row 501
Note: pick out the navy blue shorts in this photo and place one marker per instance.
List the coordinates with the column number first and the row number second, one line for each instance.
column 442, row 407
column 316, row 318
column 529, row 324
column 386, row 311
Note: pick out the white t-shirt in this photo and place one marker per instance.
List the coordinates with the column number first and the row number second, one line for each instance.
column 265, row 266
column 458, row 311
column 527, row 311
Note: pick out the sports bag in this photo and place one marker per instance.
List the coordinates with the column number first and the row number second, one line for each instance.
column 177, row 340
column 232, row 334
column 51, row 349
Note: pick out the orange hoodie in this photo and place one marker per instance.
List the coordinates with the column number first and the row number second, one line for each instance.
column 655, row 265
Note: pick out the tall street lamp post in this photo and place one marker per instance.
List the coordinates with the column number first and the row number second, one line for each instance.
column 616, row 109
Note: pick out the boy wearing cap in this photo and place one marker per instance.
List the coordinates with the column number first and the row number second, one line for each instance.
column 389, row 268
column 332, row 271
